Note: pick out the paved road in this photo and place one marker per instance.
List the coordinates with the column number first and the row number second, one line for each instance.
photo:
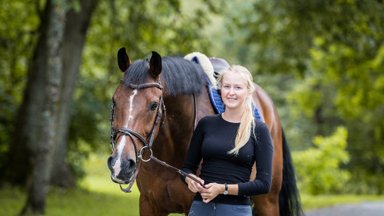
column 359, row 209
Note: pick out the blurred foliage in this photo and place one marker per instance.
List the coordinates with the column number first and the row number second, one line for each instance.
column 319, row 167
column 17, row 33
column 346, row 60
column 320, row 60
column 141, row 26
column 334, row 52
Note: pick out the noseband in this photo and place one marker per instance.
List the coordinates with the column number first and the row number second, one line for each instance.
column 130, row 133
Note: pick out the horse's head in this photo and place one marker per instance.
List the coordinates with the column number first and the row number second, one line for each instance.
column 137, row 111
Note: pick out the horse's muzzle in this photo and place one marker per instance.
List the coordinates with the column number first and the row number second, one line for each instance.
column 122, row 171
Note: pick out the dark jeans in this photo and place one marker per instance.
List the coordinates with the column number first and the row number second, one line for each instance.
column 199, row 208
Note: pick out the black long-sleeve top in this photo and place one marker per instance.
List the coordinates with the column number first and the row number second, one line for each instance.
column 211, row 141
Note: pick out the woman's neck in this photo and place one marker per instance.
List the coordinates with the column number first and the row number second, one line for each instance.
column 232, row 115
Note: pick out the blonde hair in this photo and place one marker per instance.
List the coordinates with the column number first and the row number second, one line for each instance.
column 247, row 122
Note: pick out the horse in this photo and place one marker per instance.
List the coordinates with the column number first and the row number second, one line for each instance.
column 155, row 109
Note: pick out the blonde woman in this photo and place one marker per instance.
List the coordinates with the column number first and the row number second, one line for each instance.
column 228, row 144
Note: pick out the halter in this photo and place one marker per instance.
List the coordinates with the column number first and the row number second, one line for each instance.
column 130, row 133
column 146, row 145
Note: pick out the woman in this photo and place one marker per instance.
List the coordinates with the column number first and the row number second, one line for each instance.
column 228, row 145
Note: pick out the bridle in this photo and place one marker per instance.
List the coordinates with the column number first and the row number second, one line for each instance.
column 126, row 131
column 160, row 113
column 130, row 133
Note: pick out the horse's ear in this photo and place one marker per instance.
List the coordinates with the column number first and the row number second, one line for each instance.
column 123, row 59
column 155, row 65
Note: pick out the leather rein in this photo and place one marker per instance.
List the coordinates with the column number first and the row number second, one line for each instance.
column 147, row 146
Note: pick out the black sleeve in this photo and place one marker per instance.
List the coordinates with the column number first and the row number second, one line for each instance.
column 263, row 156
column 194, row 155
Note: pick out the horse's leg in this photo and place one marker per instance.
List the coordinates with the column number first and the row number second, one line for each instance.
column 266, row 205
column 163, row 192
column 146, row 209
column 179, row 193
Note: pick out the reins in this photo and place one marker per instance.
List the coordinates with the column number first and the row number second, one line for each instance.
column 147, row 145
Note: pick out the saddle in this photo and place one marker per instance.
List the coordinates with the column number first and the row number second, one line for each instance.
column 213, row 67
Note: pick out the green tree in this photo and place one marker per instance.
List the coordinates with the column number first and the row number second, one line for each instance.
column 17, row 164
column 47, row 67
column 347, row 52
column 335, row 50
column 78, row 20
column 17, row 34
column 142, row 26
column 320, row 167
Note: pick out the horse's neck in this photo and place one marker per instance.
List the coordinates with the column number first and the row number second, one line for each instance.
column 178, row 126
column 182, row 114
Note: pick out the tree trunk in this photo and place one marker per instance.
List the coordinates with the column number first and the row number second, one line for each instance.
column 17, row 165
column 46, row 63
column 74, row 38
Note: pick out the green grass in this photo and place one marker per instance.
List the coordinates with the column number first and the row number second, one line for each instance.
column 72, row 202
column 99, row 196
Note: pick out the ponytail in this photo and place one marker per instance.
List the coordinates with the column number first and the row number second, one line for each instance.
column 247, row 122
column 245, row 130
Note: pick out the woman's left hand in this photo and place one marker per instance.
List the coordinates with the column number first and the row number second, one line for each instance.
column 210, row 191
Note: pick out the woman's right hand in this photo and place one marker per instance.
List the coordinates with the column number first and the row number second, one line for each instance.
column 193, row 185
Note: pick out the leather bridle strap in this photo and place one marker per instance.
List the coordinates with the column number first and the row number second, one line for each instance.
column 142, row 86
column 131, row 133
column 127, row 131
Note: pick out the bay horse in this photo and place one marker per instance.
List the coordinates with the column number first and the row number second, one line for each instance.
column 155, row 109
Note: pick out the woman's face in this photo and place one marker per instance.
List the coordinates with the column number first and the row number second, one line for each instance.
column 234, row 90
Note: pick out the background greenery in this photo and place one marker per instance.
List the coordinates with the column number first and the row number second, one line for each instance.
column 320, row 60
column 97, row 197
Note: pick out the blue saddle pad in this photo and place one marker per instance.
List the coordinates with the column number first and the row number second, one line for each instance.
column 219, row 107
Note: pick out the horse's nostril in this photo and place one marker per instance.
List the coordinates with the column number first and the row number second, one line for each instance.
column 109, row 162
column 131, row 164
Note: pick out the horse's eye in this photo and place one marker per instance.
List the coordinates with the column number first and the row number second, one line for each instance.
column 154, row 106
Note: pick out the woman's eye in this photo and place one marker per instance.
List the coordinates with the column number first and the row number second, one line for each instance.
column 154, row 106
